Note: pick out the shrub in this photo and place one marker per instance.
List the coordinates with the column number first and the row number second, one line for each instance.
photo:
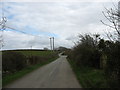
column 37, row 59
column 13, row 61
column 112, row 70
column 104, row 54
column 86, row 53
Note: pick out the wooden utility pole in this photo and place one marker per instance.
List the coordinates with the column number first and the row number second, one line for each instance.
column 51, row 43
column 31, row 47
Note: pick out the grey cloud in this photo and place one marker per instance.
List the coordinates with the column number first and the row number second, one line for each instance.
column 64, row 19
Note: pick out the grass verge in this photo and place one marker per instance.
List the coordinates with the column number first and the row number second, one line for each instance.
column 89, row 77
column 12, row 77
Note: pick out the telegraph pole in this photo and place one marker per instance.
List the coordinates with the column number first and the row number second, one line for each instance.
column 31, row 47
column 51, row 43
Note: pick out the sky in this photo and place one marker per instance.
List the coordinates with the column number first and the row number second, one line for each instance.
column 62, row 19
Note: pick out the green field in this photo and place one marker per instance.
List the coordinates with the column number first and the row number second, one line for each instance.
column 37, row 53
column 33, row 52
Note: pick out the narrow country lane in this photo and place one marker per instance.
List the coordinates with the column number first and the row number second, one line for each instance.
column 57, row 74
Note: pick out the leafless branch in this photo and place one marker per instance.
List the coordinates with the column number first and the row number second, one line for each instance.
column 107, row 24
column 113, row 16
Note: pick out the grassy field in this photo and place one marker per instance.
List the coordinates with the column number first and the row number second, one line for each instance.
column 11, row 77
column 89, row 77
column 34, row 52
column 37, row 53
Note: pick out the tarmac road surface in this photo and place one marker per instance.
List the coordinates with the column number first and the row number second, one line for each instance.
column 57, row 74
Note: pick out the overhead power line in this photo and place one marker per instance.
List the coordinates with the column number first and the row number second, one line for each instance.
column 4, row 20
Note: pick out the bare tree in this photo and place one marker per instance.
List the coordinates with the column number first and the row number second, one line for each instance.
column 113, row 16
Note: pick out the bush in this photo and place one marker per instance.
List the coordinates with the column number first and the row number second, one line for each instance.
column 37, row 59
column 112, row 70
column 86, row 53
column 98, row 53
column 12, row 61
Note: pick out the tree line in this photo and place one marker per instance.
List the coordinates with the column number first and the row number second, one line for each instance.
column 92, row 51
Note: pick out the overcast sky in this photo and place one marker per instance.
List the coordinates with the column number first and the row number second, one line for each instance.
column 64, row 20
